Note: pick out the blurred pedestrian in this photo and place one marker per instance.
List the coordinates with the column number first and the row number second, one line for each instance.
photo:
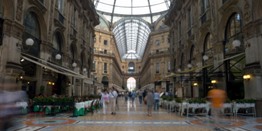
column 113, row 95
column 217, row 98
column 149, row 101
column 105, row 100
column 156, row 100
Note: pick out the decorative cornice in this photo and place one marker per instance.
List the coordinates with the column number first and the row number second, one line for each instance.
column 39, row 5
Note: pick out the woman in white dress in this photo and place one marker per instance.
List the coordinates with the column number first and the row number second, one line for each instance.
column 105, row 100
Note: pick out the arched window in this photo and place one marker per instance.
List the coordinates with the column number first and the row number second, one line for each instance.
column 131, row 67
column 207, row 43
column 233, row 31
column 57, row 42
column 32, row 30
column 57, row 45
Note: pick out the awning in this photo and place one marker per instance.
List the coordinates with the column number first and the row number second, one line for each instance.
column 187, row 71
column 88, row 80
column 52, row 66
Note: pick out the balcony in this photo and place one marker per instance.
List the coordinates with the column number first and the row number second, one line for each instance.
column 104, row 53
column 59, row 19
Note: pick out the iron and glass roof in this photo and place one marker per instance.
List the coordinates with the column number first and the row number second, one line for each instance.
column 130, row 20
column 131, row 37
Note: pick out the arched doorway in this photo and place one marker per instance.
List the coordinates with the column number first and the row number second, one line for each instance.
column 32, row 30
column 131, row 83
column 105, row 81
column 234, row 67
column 131, row 67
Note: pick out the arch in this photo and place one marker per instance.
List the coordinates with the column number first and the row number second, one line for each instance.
column 41, row 20
column 233, row 30
column 207, row 42
column 104, row 24
column 83, row 58
column 57, row 41
column 159, row 24
column 105, row 81
column 33, row 31
column 223, row 21
column 73, row 49
column 131, row 66
column 131, row 83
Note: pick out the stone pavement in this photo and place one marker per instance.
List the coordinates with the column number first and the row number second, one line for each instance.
column 134, row 118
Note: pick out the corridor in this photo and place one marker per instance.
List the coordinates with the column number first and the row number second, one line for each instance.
column 133, row 118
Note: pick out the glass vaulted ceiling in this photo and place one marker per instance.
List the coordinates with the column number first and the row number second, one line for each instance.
column 131, row 37
column 130, row 21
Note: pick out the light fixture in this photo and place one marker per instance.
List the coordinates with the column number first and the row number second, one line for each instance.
column 21, row 77
column 84, row 70
column 179, row 70
column 195, row 84
column 58, row 56
column 205, row 57
column 236, row 43
column 74, row 64
column 246, row 77
column 29, row 41
column 213, row 81
column 53, row 83
column 189, row 65
column 49, row 83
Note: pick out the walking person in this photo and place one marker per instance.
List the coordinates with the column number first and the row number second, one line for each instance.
column 133, row 96
column 217, row 98
column 149, row 101
column 156, row 100
column 113, row 95
column 140, row 96
column 105, row 100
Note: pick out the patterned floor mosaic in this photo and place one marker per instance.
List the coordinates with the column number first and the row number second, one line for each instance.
column 134, row 118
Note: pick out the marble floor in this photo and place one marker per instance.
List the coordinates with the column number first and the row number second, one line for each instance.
column 133, row 118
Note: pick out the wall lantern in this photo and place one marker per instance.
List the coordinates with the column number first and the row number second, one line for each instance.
column 189, row 65
column 29, row 42
column 58, row 56
column 205, row 57
column 213, row 81
column 246, row 77
column 74, row 64
column 195, row 84
column 236, row 43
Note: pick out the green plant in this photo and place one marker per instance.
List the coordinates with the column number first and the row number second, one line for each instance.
column 197, row 100
column 179, row 100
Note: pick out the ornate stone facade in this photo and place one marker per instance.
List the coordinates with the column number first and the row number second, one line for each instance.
column 205, row 28
column 52, row 68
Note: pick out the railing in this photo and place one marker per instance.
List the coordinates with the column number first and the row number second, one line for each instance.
column 96, row 52
column 60, row 17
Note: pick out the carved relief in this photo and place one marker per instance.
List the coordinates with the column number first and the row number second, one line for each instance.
column 19, row 9
column 247, row 12
column 257, row 9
